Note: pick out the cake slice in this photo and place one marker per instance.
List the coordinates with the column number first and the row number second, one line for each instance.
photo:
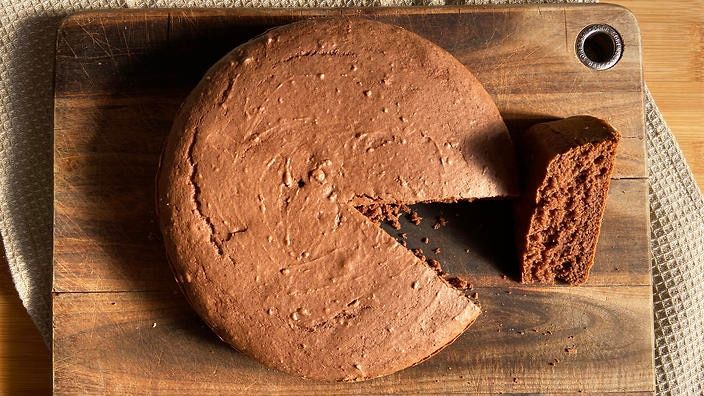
column 566, row 169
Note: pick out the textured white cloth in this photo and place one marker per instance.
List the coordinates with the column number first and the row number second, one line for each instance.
column 677, row 243
column 27, row 37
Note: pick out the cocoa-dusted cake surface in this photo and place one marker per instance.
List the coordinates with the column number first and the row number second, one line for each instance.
column 566, row 167
column 264, row 167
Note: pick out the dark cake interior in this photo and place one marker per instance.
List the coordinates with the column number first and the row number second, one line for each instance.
column 566, row 169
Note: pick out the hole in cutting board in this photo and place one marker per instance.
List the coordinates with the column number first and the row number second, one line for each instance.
column 599, row 47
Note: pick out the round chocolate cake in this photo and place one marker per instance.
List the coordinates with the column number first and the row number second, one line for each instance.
column 264, row 167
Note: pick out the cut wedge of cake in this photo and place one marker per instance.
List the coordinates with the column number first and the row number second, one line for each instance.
column 566, row 166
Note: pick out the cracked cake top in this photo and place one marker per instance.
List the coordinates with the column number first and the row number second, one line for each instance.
column 263, row 169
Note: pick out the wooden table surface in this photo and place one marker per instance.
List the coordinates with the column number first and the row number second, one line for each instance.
column 673, row 38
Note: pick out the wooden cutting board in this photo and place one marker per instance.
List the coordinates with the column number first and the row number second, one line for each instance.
column 121, row 326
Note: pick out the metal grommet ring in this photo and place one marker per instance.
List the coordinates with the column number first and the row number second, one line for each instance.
column 599, row 46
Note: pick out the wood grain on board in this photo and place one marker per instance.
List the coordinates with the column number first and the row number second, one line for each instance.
column 120, row 78
column 151, row 342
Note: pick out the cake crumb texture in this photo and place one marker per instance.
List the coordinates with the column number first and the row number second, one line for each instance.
column 566, row 166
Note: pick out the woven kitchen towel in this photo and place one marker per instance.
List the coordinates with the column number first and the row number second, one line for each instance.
column 27, row 34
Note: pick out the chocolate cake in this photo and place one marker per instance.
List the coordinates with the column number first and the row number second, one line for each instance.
column 265, row 166
column 566, row 169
